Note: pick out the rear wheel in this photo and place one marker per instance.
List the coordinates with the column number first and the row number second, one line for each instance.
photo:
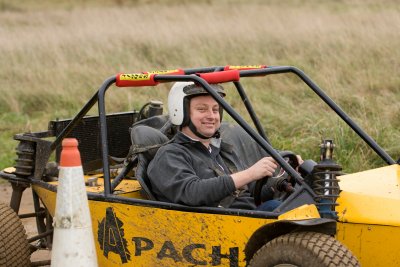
column 303, row 249
column 14, row 247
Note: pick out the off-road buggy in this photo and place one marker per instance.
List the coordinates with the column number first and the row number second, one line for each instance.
column 317, row 224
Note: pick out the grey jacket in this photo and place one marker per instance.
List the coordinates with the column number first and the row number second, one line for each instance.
column 185, row 172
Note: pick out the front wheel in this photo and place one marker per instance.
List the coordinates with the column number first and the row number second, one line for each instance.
column 303, row 249
column 14, row 247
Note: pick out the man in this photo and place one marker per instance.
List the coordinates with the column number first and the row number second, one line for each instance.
column 198, row 168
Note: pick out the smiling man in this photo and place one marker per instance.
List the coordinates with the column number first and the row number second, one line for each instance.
column 198, row 168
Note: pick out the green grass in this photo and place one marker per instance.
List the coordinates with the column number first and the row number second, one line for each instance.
column 55, row 54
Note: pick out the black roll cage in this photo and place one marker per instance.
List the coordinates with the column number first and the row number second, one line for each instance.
column 259, row 136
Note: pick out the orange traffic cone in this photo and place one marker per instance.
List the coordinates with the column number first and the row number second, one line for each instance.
column 73, row 242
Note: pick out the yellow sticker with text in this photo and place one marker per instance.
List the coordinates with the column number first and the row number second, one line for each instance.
column 135, row 77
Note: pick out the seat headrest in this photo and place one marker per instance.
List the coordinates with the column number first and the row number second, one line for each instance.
column 244, row 145
column 155, row 122
column 147, row 139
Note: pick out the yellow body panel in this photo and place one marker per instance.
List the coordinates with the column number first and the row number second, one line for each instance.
column 369, row 215
column 125, row 185
column 130, row 234
column 127, row 234
column 371, row 197
column 301, row 213
column 159, row 237
column 134, row 235
column 373, row 245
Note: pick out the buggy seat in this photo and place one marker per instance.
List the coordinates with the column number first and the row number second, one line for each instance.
column 145, row 142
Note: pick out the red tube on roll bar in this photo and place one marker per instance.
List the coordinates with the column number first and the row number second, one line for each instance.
column 220, row 76
column 135, row 79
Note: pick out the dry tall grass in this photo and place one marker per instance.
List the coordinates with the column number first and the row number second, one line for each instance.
column 54, row 56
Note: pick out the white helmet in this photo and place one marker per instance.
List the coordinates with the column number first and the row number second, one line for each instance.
column 178, row 100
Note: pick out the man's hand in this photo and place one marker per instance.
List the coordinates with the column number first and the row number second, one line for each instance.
column 300, row 160
column 264, row 167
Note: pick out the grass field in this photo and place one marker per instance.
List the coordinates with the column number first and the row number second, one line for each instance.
column 55, row 55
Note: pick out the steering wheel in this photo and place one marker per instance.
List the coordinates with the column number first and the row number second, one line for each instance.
column 281, row 180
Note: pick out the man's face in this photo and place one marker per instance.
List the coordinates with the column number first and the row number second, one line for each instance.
column 204, row 114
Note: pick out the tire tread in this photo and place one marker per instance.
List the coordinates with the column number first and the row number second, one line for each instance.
column 322, row 250
column 14, row 247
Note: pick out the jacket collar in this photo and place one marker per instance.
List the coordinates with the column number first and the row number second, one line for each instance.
column 181, row 138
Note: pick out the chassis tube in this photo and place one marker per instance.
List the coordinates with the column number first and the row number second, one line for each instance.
column 250, row 109
column 103, row 133
column 74, row 122
column 284, row 69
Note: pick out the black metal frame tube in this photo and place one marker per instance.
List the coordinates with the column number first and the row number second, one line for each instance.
column 32, row 214
column 78, row 117
column 74, row 122
column 313, row 86
column 16, row 195
column 39, row 236
column 251, row 111
column 40, row 263
column 41, row 228
column 103, row 133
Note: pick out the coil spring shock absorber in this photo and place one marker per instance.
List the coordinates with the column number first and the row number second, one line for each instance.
column 324, row 181
column 24, row 163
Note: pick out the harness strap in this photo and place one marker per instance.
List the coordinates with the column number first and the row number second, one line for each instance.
column 137, row 149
